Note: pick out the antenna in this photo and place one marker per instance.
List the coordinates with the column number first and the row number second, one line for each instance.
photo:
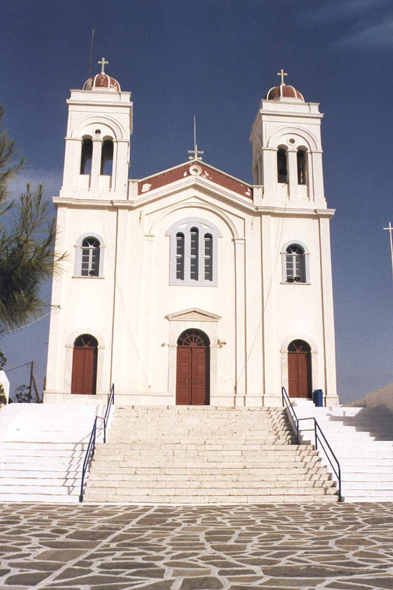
column 91, row 49
column 195, row 151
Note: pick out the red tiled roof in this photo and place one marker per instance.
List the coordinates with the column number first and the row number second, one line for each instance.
column 168, row 176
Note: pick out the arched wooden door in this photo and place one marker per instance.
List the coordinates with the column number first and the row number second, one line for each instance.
column 84, row 365
column 299, row 369
column 193, row 369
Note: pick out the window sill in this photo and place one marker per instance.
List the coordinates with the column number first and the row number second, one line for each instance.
column 193, row 284
column 89, row 278
column 294, row 283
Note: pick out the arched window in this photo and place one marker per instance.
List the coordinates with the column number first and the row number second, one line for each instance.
column 107, row 157
column 89, row 256
column 295, row 264
column 194, row 253
column 180, row 256
column 208, row 257
column 282, row 165
column 86, row 156
column 302, row 166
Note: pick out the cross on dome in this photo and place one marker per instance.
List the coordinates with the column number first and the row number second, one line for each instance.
column 103, row 64
column 282, row 74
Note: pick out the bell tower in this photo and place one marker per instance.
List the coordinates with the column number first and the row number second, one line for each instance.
column 97, row 145
column 287, row 149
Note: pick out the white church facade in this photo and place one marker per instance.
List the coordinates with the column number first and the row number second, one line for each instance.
column 191, row 286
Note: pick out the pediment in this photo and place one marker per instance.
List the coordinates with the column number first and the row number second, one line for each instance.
column 193, row 315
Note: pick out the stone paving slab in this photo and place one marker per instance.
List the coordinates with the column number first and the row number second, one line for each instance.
column 239, row 547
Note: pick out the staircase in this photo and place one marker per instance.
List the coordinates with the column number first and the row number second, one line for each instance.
column 42, row 449
column 362, row 440
column 202, row 455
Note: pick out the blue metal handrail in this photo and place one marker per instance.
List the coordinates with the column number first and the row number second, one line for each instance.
column 286, row 402
column 110, row 403
column 88, row 456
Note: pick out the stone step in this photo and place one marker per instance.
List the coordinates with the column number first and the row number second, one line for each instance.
column 199, row 484
column 371, row 469
column 375, row 493
column 227, row 500
column 323, row 475
column 39, row 467
column 147, row 446
column 366, row 462
column 364, row 476
column 36, row 489
column 37, row 497
column 32, row 480
column 199, row 434
column 42, row 454
column 368, row 485
column 116, row 450
column 42, row 446
column 199, row 465
column 186, row 491
column 270, row 468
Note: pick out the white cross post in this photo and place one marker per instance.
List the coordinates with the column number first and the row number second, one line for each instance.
column 103, row 64
column 390, row 230
column 195, row 150
column 282, row 74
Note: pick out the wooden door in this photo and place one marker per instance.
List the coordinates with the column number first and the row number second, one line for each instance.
column 299, row 369
column 192, row 384
column 84, row 366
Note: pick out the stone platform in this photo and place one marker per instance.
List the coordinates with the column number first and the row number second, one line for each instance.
column 238, row 547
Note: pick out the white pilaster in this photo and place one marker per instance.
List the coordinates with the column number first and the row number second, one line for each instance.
column 327, row 312
column 240, row 313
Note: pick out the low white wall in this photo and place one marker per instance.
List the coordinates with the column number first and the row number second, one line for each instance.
column 380, row 397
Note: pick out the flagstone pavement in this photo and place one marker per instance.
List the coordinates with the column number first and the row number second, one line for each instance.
column 121, row 547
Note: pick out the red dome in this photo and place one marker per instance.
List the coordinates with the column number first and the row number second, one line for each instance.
column 284, row 91
column 102, row 81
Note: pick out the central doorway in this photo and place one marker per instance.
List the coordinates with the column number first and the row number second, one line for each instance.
column 299, row 369
column 193, row 369
column 84, row 365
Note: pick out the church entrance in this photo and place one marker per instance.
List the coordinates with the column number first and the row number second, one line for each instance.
column 299, row 369
column 193, row 369
column 84, row 365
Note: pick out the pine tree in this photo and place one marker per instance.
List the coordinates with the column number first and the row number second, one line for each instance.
column 27, row 239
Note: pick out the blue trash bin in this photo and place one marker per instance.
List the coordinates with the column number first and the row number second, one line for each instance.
column 318, row 398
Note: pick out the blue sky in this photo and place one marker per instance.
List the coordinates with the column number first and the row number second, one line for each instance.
column 217, row 59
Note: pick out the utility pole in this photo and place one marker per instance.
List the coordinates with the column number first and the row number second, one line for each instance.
column 33, row 382
column 390, row 230
column 31, row 379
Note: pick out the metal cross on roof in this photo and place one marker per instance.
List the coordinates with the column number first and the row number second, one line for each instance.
column 103, row 64
column 282, row 74
column 195, row 151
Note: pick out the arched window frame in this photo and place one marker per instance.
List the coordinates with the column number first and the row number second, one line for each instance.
column 83, row 160
column 282, row 149
column 306, row 261
column 205, row 228
column 304, row 151
column 107, row 140
column 78, row 256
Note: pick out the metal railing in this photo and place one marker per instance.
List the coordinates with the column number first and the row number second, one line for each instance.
column 111, row 402
column 88, row 456
column 319, row 437
column 91, row 447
